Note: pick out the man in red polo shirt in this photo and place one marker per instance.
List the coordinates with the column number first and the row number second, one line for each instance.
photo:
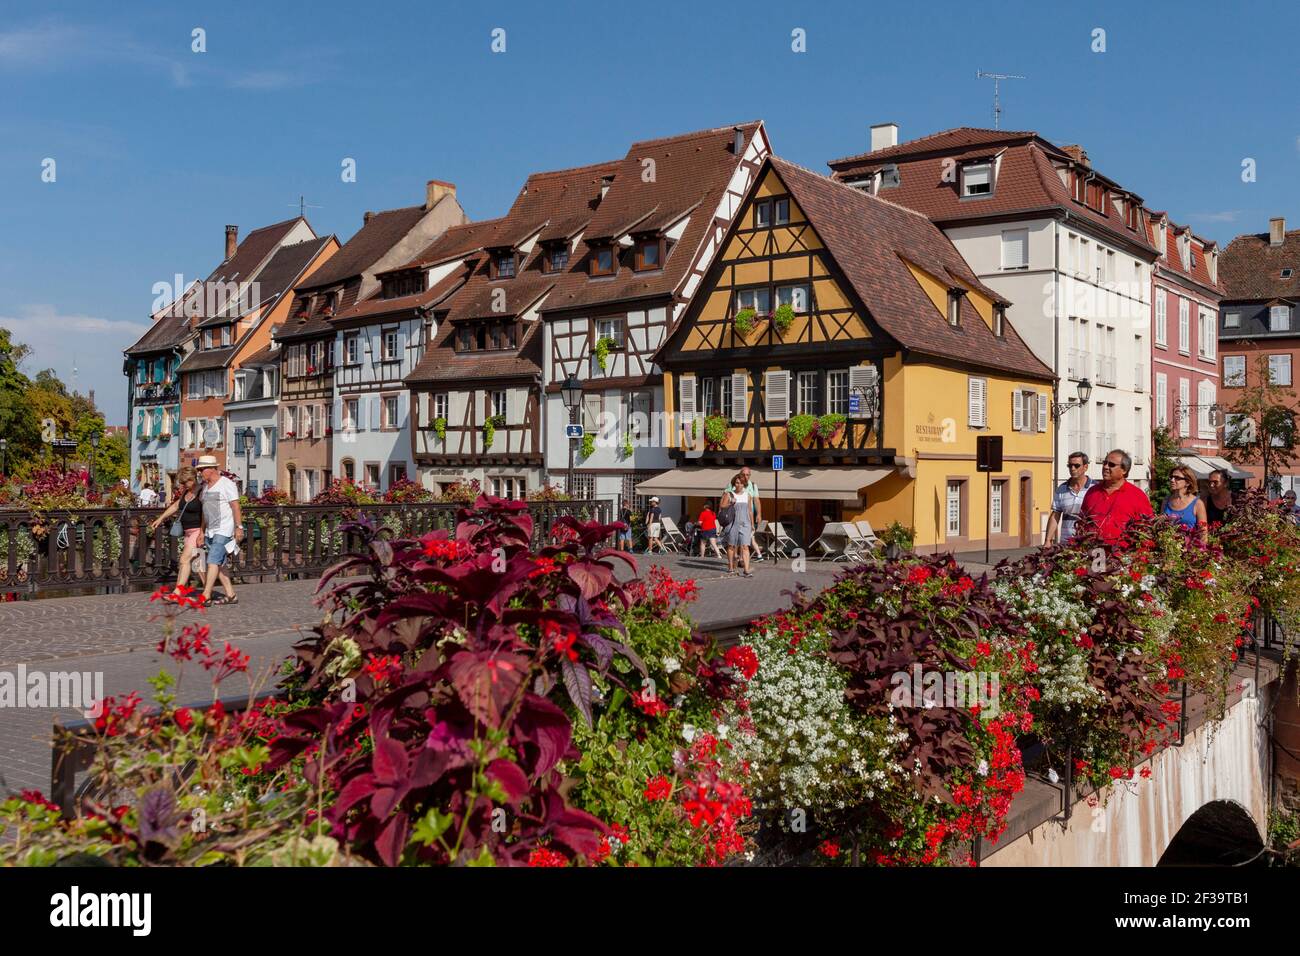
column 1113, row 502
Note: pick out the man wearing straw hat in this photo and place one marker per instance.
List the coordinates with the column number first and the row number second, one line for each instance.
column 223, row 526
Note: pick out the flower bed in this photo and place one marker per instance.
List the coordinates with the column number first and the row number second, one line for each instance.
column 472, row 702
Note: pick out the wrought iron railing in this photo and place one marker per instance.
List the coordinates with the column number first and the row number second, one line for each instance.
column 113, row 549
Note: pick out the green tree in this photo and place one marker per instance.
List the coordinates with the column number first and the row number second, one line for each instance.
column 19, row 426
column 1260, row 428
column 1162, row 465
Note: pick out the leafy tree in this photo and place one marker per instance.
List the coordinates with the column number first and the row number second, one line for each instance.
column 1162, row 465
column 1260, row 428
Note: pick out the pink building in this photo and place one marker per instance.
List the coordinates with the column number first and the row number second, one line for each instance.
column 1185, row 299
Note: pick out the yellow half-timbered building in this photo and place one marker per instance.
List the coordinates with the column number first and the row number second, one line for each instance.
column 848, row 335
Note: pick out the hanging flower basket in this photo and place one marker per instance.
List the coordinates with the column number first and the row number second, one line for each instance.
column 783, row 318
column 744, row 322
column 716, row 429
column 801, row 429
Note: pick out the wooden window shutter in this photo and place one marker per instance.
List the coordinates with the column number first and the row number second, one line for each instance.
column 739, row 397
column 776, row 396
column 861, row 379
column 1042, row 412
column 686, row 396
column 1017, row 410
column 976, row 400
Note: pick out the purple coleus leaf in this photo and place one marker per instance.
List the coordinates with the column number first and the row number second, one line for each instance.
column 541, row 734
column 391, row 842
column 578, row 683
column 592, row 577
column 158, row 816
column 512, row 779
column 486, row 681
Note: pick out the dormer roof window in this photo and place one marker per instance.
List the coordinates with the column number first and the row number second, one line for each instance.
column 977, row 179
column 649, row 254
column 954, row 306
column 408, row 283
column 503, row 264
column 603, row 262
column 555, row 258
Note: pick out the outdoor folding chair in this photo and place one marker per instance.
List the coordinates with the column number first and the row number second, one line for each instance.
column 781, row 542
column 672, row 535
column 834, row 543
column 868, row 535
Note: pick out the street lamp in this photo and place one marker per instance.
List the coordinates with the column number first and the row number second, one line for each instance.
column 1084, row 392
column 571, row 392
column 247, row 436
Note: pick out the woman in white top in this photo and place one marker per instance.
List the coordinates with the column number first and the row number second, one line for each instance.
column 739, row 532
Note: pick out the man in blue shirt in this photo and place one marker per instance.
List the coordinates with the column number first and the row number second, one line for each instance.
column 1068, row 500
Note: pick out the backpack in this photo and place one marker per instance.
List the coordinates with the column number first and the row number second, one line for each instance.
column 727, row 514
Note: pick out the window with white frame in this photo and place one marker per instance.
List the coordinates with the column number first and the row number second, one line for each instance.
column 795, row 296
column 291, row 421
column 1162, row 400
column 724, row 395
column 977, row 400
column 500, row 401
column 954, row 509
column 837, row 392
column 1015, row 248
column 352, row 349
column 760, row 300
column 372, row 474
column 1184, row 323
column 390, row 412
column 1234, row 371
column 1232, row 320
column 240, row 381
column 610, row 328
column 1162, row 319
column 396, row 473
column 1204, row 399
column 806, row 394
column 390, row 345
column 1279, row 369
column 440, row 406
column 709, row 396
column 225, row 335
column 1279, row 318
column 1206, row 333
column 977, row 179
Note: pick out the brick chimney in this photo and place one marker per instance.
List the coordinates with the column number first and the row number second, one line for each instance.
column 435, row 189
column 1276, row 231
column 232, row 241
column 737, row 140
column 1078, row 154
column 365, row 220
column 883, row 136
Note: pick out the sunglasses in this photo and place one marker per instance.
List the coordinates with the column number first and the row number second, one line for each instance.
column 1077, row 464
column 1112, row 464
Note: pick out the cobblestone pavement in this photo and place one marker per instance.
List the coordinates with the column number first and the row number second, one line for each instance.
column 115, row 635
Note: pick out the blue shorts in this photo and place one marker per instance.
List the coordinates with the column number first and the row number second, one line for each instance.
column 625, row 536
column 217, row 549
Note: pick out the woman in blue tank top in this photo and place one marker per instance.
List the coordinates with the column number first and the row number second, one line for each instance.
column 1182, row 504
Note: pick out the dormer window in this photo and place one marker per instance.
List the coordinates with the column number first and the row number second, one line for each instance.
column 602, row 261
column 977, row 179
column 1131, row 214
column 409, row 284
column 649, row 254
column 486, row 336
column 999, row 321
column 225, row 335
column 1286, row 274
column 207, row 338
column 954, row 306
column 556, row 259
column 503, row 265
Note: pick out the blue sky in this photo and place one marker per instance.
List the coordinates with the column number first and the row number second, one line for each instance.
column 158, row 147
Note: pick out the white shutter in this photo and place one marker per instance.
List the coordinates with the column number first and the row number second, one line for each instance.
column 686, row 396
column 862, row 378
column 1042, row 412
column 374, row 417
column 776, row 396
column 977, row 391
column 739, row 397
column 404, row 408
column 1017, row 410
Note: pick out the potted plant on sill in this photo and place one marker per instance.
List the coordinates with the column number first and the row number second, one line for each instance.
column 783, row 318
column 744, row 322
column 716, row 429
column 801, row 428
column 490, row 427
column 603, row 347
column 830, row 427
column 440, row 428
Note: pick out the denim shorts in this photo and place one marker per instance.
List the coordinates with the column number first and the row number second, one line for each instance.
column 625, row 536
column 217, row 549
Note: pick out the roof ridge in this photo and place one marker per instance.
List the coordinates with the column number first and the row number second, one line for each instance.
column 1008, row 133
column 572, row 169
column 699, row 132
column 852, row 189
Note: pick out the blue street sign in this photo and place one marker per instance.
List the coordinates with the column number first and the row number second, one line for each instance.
column 778, row 462
column 855, row 405
column 572, row 431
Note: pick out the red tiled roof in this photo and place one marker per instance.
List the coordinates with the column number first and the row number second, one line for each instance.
column 1028, row 179
column 1172, row 260
column 691, row 173
column 872, row 241
column 456, row 242
column 374, row 239
column 375, row 306
column 442, row 363
column 1250, row 268
column 277, row 277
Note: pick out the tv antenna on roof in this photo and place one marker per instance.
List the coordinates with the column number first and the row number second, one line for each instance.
column 997, row 78
column 303, row 206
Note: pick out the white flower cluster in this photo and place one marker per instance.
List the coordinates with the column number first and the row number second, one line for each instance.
column 810, row 750
column 1062, row 665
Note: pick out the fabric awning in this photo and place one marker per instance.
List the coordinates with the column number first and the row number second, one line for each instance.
column 1203, row 465
column 822, row 484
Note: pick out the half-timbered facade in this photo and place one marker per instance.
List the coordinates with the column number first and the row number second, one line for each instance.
column 380, row 340
column 848, row 335
column 634, row 261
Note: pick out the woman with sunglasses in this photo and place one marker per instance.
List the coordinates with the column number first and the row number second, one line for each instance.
column 187, row 508
column 1183, row 505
